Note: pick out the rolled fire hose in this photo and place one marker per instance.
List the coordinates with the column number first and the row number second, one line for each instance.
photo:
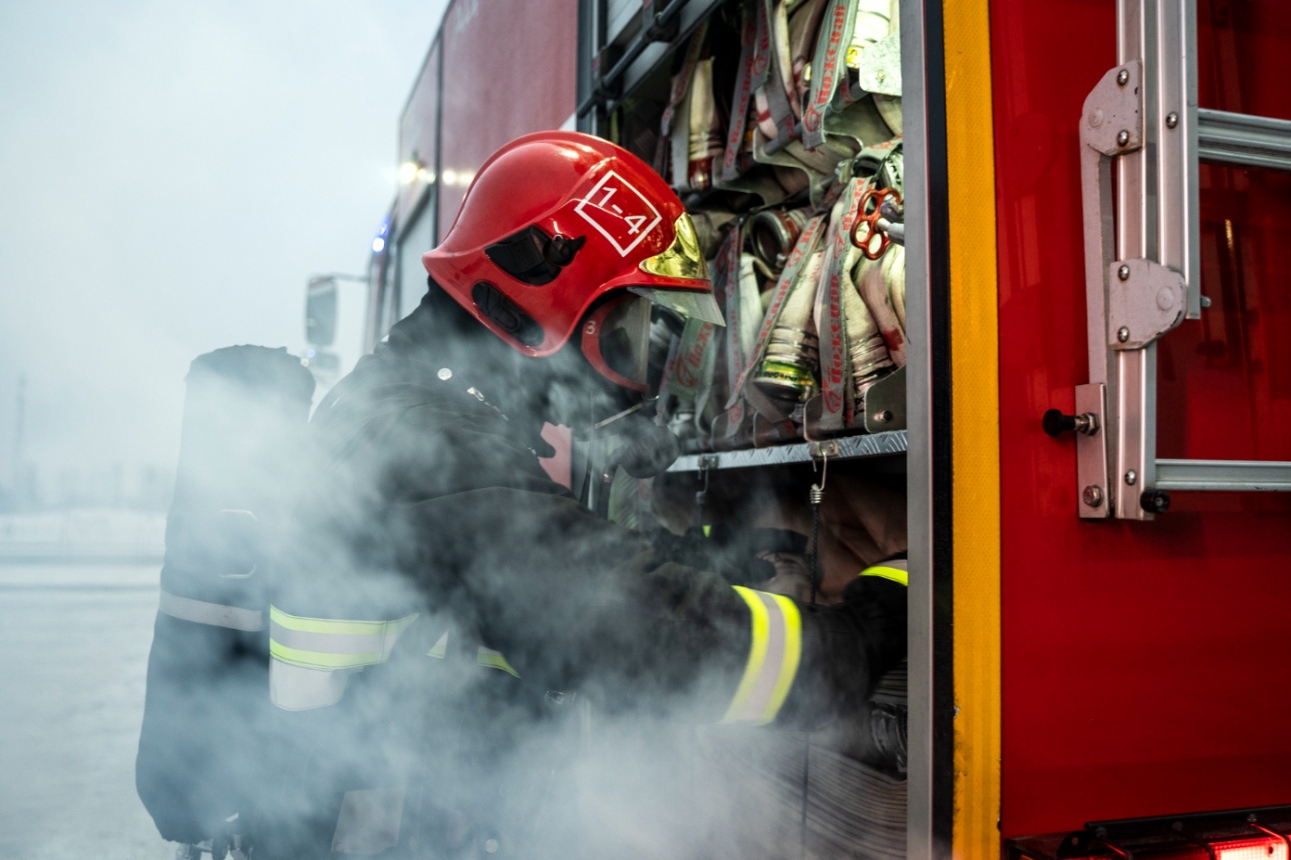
column 872, row 283
column 787, row 374
column 772, row 234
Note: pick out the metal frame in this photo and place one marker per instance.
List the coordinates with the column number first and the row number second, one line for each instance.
column 860, row 447
column 1142, row 259
column 930, row 770
column 1242, row 139
column 660, row 34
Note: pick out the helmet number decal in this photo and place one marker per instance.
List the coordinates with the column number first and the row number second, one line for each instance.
column 619, row 212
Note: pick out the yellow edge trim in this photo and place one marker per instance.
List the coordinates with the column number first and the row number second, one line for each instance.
column 792, row 654
column 975, row 439
column 342, row 626
column 896, row 574
column 496, row 661
column 757, row 653
column 320, row 660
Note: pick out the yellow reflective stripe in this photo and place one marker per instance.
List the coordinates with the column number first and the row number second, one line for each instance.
column 323, row 660
column 440, row 649
column 757, row 654
column 494, row 660
column 342, row 626
column 896, row 574
column 330, row 643
column 775, row 650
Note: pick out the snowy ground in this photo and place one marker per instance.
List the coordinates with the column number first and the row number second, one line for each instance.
column 73, row 651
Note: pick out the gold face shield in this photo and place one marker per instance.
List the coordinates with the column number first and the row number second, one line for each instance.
column 682, row 259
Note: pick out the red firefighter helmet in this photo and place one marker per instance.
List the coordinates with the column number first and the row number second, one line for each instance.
column 552, row 223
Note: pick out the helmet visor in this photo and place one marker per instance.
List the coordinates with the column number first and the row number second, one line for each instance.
column 687, row 304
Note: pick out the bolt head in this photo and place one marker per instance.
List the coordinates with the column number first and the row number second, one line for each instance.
column 445, row 374
column 1092, row 496
column 1123, row 334
column 491, row 846
column 1123, row 77
column 1123, row 272
column 883, row 416
column 1131, row 477
column 1122, row 138
column 1171, row 119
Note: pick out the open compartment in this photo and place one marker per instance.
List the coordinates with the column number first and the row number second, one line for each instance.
column 780, row 125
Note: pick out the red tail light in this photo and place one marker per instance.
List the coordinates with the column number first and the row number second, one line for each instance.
column 1252, row 849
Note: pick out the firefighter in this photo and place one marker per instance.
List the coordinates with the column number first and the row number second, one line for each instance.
column 429, row 535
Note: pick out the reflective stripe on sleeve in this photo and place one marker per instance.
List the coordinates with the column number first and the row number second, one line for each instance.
column 494, row 660
column 897, row 570
column 327, row 643
column 299, row 688
column 486, row 657
column 214, row 614
column 774, row 650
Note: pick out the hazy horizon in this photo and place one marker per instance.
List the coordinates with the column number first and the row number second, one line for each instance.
column 171, row 175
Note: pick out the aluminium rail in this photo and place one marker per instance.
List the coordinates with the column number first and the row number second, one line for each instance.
column 845, row 448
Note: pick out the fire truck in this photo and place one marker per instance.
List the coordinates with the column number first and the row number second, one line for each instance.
column 1062, row 232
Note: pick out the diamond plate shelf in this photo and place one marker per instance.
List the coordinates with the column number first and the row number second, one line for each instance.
column 846, row 448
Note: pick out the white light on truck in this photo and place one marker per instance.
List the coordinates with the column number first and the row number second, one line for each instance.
column 408, row 172
column 378, row 245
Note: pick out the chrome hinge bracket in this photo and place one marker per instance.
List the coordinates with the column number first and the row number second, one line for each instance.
column 1111, row 125
column 1113, row 115
column 1144, row 301
column 1096, row 496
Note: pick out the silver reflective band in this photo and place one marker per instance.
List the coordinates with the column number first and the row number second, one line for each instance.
column 214, row 614
column 300, row 688
column 332, row 643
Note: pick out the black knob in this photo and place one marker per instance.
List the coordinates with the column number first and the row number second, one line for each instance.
column 1155, row 501
column 1056, row 422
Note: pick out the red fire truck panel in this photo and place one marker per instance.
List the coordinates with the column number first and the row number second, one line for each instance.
column 1145, row 664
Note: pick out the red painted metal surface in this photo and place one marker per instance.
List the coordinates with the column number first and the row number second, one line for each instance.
column 1146, row 666
column 1226, row 380
column 417, row 131
column 1244, row 56
column 509, row 69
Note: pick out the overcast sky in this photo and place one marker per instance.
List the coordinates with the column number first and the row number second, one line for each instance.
column 170, row 174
